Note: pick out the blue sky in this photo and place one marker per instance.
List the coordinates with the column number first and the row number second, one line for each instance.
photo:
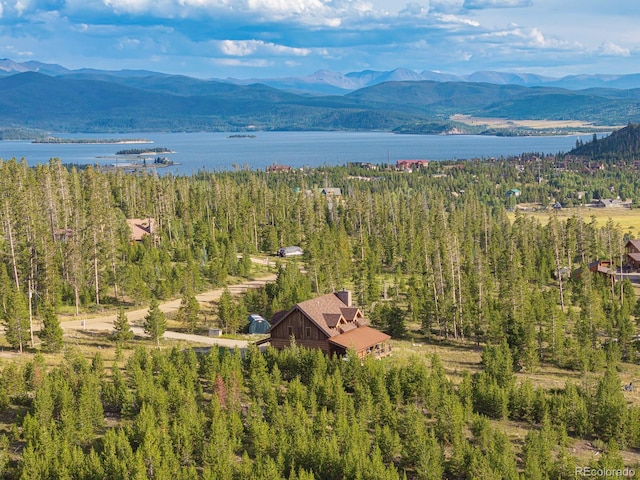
column 280, row 38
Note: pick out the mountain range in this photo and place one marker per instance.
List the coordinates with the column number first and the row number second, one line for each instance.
column 34, row 95
column 324, row 81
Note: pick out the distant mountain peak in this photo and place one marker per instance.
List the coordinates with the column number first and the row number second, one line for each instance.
column 325, row 81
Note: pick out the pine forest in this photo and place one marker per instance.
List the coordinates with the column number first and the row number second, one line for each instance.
column 511, row 358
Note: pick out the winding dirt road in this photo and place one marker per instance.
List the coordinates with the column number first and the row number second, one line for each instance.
column 105, row 323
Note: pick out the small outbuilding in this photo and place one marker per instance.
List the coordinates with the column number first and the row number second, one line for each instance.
column 290, row 252
column 257, row 324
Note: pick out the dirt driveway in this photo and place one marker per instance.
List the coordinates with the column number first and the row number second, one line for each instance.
column 105, row 323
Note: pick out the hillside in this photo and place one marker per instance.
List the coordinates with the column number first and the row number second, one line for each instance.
column 86, row 102
column 623, row 142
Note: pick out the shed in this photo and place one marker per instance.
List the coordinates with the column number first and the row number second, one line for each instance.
column 257, row 324
column 290, row 252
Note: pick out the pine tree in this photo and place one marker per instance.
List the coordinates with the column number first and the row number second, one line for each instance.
column 228, row 312
column 121, row 329
column 155, row 323
column 51, row 333
column 16, row 320
column 189, row 309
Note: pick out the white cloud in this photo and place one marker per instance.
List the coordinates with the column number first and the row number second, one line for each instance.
column 245, row 48
column 128, row 43
column 524, row 37
column 235, row 62
column 415, row 9
column 482, row 4
column 610, row 49
column 454, row 19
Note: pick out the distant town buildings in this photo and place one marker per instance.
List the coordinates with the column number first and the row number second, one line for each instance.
column 410, row 165
column 275, row 168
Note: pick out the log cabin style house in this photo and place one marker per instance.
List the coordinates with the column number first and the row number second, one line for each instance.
column 329, row 323
column 633, row 254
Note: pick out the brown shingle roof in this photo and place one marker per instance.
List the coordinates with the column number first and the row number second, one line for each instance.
column 360, row 338
column 344, row 326
column 332, row 319
column 325, row 311
column 350, row 313
column 635, row 243
column 347, row 327
column 317, row 309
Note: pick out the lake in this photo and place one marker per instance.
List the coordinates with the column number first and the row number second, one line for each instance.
column 218, row 151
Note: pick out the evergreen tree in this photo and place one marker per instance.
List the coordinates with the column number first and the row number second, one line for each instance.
column 390, row 318
column 228, row 312
column 121, row 329
column 189, row 309
column 16, row 320
column 155, row 323
column 51, row 333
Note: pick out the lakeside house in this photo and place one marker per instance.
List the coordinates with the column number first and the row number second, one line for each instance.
column 329, row 323
column 275, row 168
column 410, row 165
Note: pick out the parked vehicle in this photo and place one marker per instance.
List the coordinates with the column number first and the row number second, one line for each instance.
column 290, row 252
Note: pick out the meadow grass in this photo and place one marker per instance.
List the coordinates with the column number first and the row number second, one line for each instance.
column 628, row 219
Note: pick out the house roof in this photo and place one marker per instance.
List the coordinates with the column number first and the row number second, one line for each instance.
column 359, row 338
column 601, row 266
column 608, row 202
column 634, row 256
column 321, row 309
column 140, row 227
column 332, row 319
column 635, row 243
column 350, row 313
column 325, row 312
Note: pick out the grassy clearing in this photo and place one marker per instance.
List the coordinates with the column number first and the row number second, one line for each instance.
column 541, row 124
column 628, row 219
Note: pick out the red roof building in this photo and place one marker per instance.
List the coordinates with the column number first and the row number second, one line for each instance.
column 411, row 165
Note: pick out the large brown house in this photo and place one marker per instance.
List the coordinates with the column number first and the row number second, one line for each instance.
column 329, row 323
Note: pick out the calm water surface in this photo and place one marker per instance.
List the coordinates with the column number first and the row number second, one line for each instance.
column 216, row 151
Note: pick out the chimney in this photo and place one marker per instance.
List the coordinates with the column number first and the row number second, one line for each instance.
column 345, row 296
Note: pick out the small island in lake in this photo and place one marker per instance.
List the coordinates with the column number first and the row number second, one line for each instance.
column 143, row 151
column 93, row 141
column 241, row 136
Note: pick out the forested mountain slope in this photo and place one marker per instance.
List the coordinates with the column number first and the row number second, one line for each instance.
column 621, row 143
column 102, row 103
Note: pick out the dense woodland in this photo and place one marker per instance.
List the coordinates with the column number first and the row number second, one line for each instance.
column 433, row 251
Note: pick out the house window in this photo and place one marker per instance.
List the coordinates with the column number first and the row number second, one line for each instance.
column 290, row 329
column 308, row 332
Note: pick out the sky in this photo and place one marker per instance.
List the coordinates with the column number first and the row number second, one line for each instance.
column 290, row 38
